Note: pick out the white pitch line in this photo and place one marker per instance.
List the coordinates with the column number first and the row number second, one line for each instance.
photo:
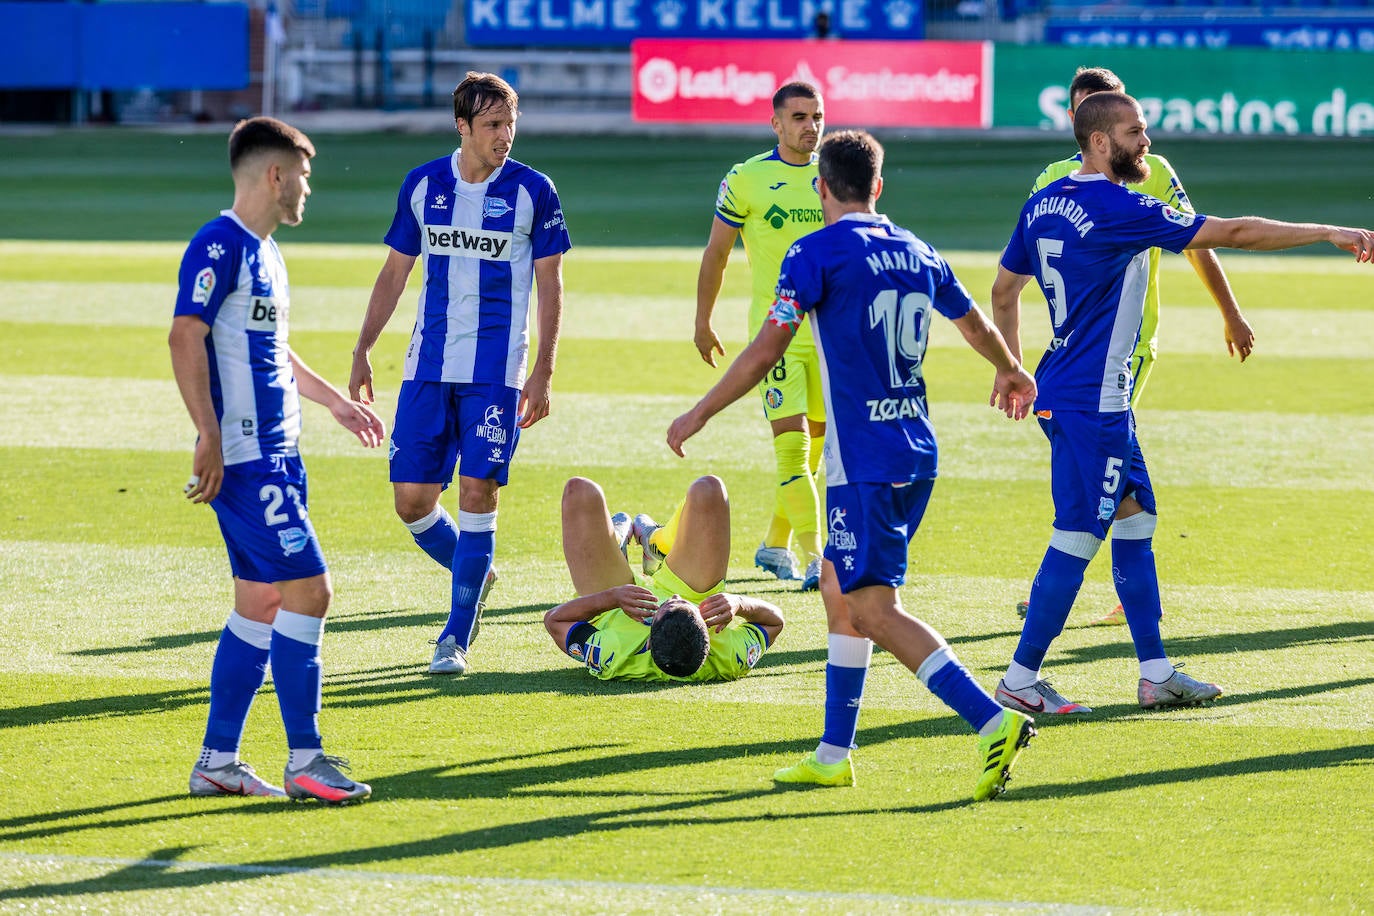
column 548, row 883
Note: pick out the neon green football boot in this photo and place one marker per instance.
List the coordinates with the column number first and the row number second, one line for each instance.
column 998, row 752
column 811, row 770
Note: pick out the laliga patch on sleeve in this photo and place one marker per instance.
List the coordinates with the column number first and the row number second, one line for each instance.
column 205, row 284
column 1177, row 216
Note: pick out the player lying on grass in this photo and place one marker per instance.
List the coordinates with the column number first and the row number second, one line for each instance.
column 675, row 624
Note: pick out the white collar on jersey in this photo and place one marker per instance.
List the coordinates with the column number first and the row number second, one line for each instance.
column 1095, row 176
column 235, row 217
column 864, row 218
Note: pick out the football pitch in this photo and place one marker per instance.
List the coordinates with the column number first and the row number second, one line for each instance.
column 528, row 787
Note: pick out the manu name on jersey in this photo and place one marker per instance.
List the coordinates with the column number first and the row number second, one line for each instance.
column 1094, row 280
column 478, row 244
column 870, row 288
column 236, row 283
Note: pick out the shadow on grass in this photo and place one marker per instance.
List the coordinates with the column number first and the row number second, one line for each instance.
column 498, row 778
column 163, row 868
column 102, row 707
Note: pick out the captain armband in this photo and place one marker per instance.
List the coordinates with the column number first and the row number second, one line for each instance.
column 785, row 314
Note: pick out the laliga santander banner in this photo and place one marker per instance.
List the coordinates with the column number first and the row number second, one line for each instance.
column 864, row 83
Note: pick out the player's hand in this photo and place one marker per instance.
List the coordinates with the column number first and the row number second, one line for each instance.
column 708, row 344
column 718, row 610
column 1359, row 241
column 535, row 398
column 361, row 421
column 1240, row 337
column 636, row 601
column 360, row 379
column 1013, row 393
column 682, row 429
column 207, row 471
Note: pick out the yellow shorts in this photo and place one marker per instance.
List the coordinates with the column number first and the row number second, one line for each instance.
column 1141, row 364
column 664, row 583
column 793, row 386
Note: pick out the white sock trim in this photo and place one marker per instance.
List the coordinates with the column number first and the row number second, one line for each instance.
column 300, row 627
column 1157, row 670
column 476, row 521
column 1081, row 544
column 849, row 651
column 254, row 632
column 830, row 754
column 934, row 662
column 421, row 525
column 1019, row 677
column 1138, row 527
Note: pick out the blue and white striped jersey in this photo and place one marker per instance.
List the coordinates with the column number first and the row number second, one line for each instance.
column 869, row 287
column 236, row 283
column 478, row 244
column 1087, row 241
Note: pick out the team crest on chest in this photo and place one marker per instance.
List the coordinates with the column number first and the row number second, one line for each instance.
column 494, row 208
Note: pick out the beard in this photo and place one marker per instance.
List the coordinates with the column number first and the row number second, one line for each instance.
column 292, row 208
column 1130, row 168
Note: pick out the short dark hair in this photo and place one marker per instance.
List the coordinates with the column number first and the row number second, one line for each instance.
column 478, row 92
column 678, row 641
column 262, row 134
column 1094, row 79
column 1099, row 112
column 851, row 162
column 794, row 90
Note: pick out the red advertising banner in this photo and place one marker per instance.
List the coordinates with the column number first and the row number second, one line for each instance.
column 864, row 83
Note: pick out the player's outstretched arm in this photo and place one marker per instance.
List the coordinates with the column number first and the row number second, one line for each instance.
column 744, row 373
column 1240, row 337
column 635, row 600
column 709, row 279
column 1255, row 233
column 536, row 397
column 381, row 305
column 1006, row 307
column 1013, row 390
column 191, row 367
column 352, row 415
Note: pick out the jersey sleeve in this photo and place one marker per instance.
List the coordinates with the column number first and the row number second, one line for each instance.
column 951, row 298
column 1155, row 224
column 1015, row 258
column 733, row 654
column 549, row 233
column 603, row 653
column 801, row 283
column 404, row 234
column 732, row 205
column 209, row 272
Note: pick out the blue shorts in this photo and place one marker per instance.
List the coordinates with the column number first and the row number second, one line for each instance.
column 437, row 422
column 265, row 520
column 870, row 527
column 1095, row 463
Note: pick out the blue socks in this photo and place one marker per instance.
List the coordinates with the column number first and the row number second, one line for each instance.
column 950, row 681
column 1137, row 583
column 845, row 673
column 239, row 669
column 472, row 554
column 298, row 676
column 1052, row 596
column 436, row 535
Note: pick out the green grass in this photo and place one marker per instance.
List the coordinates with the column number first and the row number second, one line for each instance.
column 957, row 193
column 528, row 787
